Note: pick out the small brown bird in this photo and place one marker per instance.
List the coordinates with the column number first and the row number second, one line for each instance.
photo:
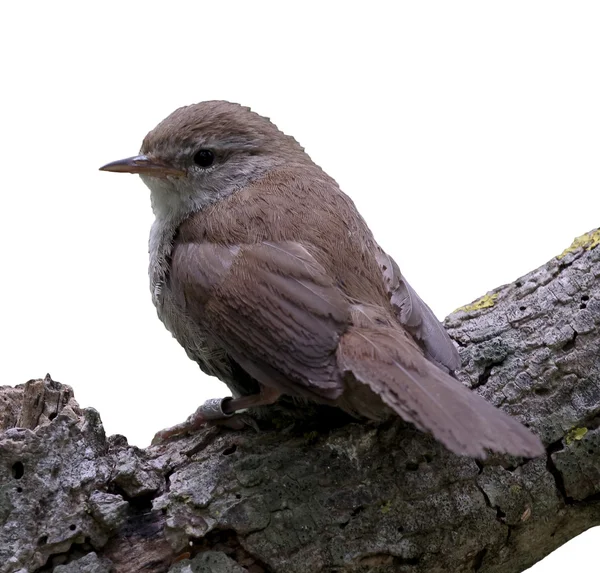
column 267, row 275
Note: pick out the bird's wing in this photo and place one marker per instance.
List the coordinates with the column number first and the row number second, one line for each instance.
column 416, row 316
column 271, row 306
column 393, row 367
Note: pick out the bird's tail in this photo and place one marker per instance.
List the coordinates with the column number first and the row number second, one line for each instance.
column 386, row 360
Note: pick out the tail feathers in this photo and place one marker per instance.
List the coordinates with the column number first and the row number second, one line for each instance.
column 393, row 367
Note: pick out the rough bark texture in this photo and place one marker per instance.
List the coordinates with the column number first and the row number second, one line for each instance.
column 313, row 496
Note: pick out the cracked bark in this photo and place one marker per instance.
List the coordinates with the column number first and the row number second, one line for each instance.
column 316, row 496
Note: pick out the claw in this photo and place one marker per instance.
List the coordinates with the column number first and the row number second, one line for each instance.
column 193, row 422
column 214, row 412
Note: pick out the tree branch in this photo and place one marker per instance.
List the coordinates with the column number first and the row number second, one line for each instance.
column 315, row 497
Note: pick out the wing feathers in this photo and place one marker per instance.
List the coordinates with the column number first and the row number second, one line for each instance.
column 270, row 304
column 416, row 316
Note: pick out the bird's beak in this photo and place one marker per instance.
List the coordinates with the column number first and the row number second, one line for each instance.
column 143, row 165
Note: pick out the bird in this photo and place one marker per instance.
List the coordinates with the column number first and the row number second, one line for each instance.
column 264, row 271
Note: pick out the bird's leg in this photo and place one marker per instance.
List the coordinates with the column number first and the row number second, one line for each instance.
column 219, row 411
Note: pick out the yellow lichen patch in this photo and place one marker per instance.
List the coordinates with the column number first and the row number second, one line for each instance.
column 575, row 434
column 386, row 507
column 587, row 241
column 486, row 301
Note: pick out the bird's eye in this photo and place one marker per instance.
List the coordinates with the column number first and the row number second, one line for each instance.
column 204, row 158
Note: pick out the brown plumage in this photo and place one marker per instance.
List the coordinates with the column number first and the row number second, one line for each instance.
column 267, row 275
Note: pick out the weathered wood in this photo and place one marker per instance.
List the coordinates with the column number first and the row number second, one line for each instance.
column 319, row 496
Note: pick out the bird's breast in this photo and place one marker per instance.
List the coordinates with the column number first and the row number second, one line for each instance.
column 189, row 333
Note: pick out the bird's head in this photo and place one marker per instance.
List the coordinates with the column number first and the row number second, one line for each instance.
column 204, row 152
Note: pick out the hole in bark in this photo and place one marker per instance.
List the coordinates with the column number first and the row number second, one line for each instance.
column 541, row 391
column 428, row 458
column 585, row 297
column 19, row 490
column 238, row 496
column 499, row 513
column 230, row 450
column 478, row 561
column 570, row 344
column 72, row 527
column 582, row 305
column 357, row 510
column 52, row 416
column 43, row 540
column 518, row 284
column 139, row 504
column 412, row 466
column 18, row 470
column 480, row 466
column 484, row 376
column 522, row 308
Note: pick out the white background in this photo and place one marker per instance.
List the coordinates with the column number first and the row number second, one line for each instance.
column 466, row 132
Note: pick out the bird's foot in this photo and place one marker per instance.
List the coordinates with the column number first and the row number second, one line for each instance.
column 210, row 412
column 219, row 412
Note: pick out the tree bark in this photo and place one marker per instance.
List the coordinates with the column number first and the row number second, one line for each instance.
column 319, row 496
